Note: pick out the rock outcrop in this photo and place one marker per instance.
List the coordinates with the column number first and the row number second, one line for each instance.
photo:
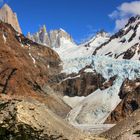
column 25, row 69
column 8, row 16
column 81, row 84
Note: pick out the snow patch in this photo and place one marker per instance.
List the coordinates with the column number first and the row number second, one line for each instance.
column 117, row 48
column 70, row 78
column 88, row 70
column 4, row 38
column 34, row 61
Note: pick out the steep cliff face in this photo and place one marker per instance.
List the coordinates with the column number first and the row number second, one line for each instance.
column 60, row 38
column 41, row 37
column 8, row 16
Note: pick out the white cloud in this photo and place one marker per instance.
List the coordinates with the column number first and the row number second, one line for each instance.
column 124, row 12
column 120, row 23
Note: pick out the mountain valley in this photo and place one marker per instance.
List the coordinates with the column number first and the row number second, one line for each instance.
column 54, row 89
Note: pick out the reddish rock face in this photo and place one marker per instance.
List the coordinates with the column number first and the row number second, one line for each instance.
column 25, row 68
column 130, row 95
column 24, row 65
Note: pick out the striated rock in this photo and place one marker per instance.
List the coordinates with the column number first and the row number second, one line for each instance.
column 8, row 16
column 130, row 95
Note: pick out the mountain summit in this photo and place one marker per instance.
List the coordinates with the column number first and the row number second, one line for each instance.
column 8, row 16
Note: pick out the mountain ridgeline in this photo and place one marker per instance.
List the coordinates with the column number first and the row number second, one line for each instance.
column 54, row 38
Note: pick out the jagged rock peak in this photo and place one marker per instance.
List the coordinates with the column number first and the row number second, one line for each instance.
column 43, row 29
column 8, row 16
column 52, row 38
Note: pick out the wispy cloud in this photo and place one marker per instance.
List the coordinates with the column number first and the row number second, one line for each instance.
column 124, row 12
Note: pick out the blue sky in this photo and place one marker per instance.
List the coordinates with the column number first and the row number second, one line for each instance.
column 80, row 18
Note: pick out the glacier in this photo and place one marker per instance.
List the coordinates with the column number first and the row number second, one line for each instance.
column 95, row 108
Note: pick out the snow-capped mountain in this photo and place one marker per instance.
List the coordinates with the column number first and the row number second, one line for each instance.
column 83, row 50
column 88, row 85
column 125, row 44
